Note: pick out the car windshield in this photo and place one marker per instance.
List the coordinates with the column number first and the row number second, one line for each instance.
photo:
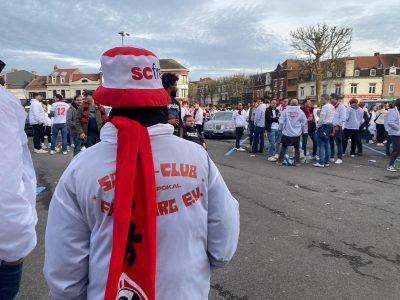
column 223, row 116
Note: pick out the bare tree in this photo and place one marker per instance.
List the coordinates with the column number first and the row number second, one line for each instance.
column 321, row 46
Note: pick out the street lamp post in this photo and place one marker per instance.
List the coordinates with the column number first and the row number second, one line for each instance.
column 123, row 34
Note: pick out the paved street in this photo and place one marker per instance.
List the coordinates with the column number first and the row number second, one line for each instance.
column 306, row 233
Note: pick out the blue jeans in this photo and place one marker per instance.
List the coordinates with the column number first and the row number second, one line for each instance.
column 10, row 279
column 323, row 143
column 278, row 141
column 258, row 139
column 54, row 133
column 251, row 132
column 338, row 139
column 272, row 135
column 77, row 142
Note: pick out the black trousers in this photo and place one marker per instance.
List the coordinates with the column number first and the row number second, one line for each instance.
column 199, row 128
column 396, row 149
column 46, row 132
column 380, row 133
column 354, row 135
column 239, row 134
column 37, row 136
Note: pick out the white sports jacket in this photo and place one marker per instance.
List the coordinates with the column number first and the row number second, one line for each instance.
column 197, row 220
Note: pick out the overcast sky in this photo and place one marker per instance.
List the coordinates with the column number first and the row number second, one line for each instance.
column 211, row 38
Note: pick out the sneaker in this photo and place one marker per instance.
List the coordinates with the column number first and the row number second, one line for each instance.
column 40, row 151
column 319, row 165
column 391, row 169
column 332, row 160
column 43, row 146
column 352, row 156
column 240, row 149
column 65, row 152
column 52, row 152
column 272, row 158
column 379, row 144
column 316, row 157
column 338, row 161
column 326, row 165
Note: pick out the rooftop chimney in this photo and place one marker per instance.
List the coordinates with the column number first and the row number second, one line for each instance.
column 377, row 53
column 55, row 67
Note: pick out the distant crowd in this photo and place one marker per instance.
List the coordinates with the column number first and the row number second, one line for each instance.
column 330, row 127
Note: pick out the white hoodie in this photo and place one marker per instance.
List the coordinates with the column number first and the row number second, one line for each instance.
column 239, row 119
column 17, row 182
column 197, row 222
column 293, row 121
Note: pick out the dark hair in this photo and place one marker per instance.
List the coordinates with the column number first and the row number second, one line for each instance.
column 372, row 106
column 2, row 81
column 147, row 116
column 169, row 79
column 58, row 96
column 187, row 117
column 397, row 103
column 335, row 96
column 76, row 97
column 34, row 94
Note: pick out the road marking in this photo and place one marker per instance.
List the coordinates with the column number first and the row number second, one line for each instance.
column 39, row 189
column 374, row 150
column 233, row 149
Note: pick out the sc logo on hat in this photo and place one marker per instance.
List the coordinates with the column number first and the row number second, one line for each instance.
column 147, row 73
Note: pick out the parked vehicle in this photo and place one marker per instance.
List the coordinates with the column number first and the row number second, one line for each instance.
column 220, row 125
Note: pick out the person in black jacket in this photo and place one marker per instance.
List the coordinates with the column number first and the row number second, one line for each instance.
column 190, row 133
column 271, row 125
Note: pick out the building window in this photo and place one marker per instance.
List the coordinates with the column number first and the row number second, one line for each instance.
column 338, row 73
column 84, row 81
column 353, row 89
column 329, row 74
column 338, row 89
column 392, row 71
column 312, row 91
column 391, row 89
column 78, row 92
column 184, row 79
column 54, row 93
column 53, row 79
column 372, row 72
column 63, row 93
column 356, row 73
column 62, row 79
column 372, row 88
column 302, row 91
column 325, row 89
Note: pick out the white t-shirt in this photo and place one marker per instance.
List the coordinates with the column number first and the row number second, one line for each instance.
column 274, row 125
column 60, row 112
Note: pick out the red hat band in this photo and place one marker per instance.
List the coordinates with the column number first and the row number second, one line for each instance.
column 131, row 79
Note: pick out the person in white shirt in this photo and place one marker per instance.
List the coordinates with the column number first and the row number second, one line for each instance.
column 59, row 110
column 354, row 120
column 37, row 118
column 198, row 117
column 239, row 117
column 337, row 133
column 324, row 130
column 17, row 195
column 292, row 123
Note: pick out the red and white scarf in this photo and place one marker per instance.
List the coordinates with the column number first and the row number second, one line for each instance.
column 132, row 268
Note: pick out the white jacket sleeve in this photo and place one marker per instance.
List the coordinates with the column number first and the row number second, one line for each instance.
column 223, row 220
column 38, row 112
column 282, row 120
column 304, row 123
column 66, row 245
column 392, row 121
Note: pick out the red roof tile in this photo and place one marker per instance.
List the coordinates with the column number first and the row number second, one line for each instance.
column 93, row 77
column 366, row 62
column 39, row 82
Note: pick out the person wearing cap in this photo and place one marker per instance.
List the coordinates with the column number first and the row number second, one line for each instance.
column 138, row 214
column 58, row 110
column 18, row 216
column 90, row 117
column 337, row 134
column 354, row 120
